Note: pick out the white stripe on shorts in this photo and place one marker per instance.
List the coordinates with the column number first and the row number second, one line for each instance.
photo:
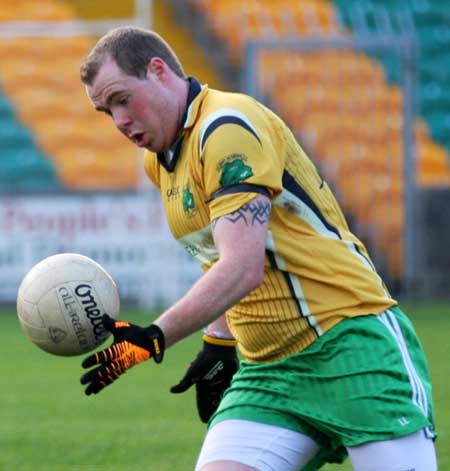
column 419, row 396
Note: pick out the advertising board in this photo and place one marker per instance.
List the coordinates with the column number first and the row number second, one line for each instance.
column 126, row 233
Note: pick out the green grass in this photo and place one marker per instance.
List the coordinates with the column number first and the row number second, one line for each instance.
column 47, row 423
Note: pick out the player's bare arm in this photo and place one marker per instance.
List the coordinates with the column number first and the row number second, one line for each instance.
column 252, row 212
column 240, row 239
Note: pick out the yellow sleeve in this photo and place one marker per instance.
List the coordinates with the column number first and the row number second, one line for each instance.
column 238, row 163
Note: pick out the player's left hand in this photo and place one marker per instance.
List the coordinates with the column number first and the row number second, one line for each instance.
column 211, row 372
column 132, row 345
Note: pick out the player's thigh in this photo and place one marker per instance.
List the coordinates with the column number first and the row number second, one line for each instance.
column 414, row 452
column 243, row 445
column 226, row 466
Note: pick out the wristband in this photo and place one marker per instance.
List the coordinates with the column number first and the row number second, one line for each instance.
column 219, row 341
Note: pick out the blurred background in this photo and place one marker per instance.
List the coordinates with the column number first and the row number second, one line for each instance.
column 364, row 85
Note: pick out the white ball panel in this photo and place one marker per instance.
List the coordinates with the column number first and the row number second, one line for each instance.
column 108, row 293
column 29, row 314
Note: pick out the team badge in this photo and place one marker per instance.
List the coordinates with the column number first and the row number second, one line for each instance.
column 188, row 202
column 234, row 170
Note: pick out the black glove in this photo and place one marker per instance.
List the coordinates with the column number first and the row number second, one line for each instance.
column 132, row 345
column 211, row 372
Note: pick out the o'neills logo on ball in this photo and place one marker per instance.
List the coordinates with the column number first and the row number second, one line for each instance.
column 70, row 305
column 93, row 313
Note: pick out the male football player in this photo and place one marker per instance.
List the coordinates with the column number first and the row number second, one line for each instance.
column 331, row 366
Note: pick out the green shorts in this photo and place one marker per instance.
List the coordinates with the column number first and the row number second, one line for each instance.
column 364, row 380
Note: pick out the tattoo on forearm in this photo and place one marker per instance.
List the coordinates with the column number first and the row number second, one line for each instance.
column 251, row 213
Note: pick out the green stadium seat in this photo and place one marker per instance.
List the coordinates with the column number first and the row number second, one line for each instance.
column 434, row 39
column 433, row 15
column 13, row 135
column 24, row 167
column 440, row 125
column 436, row 70
column 27, row 170
column 433, row 97
column 6, row 110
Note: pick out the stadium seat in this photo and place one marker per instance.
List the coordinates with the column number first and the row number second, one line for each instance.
column 32, row 10
column 22, row 49
column 24, row 165
column 432, row 170
column 13, row 135
column 26, row 169
column 433, row 97
column 82, row 169
column 6, row 110
column 235, row 21
column 439, row 121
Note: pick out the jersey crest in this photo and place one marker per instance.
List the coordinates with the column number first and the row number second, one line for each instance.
column 234, row 170
column 188, row 202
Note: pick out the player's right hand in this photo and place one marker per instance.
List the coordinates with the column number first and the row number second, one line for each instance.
column 211, row 372
column 132, row 345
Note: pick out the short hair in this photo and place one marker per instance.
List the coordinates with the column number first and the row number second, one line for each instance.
column 131, row 48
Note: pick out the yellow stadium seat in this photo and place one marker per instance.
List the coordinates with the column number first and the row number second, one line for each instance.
column 32, row 10
column 433, row 164
column 79, row 172
column 387, row 220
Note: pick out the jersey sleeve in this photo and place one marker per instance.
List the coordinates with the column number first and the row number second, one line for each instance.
column 239, row 162
column 151, row 167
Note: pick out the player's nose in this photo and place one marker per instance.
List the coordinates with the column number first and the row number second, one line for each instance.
column 122, row 120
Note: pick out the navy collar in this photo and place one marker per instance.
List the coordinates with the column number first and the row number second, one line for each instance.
column 194, row 89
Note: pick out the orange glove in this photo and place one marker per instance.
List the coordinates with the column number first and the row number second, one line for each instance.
column 132, row 345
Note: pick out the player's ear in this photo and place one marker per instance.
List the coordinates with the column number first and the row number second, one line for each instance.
column 156, row 67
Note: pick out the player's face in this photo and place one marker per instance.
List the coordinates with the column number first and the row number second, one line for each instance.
column 144, row 110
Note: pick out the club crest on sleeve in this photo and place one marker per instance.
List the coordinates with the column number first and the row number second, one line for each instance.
column 234, row 170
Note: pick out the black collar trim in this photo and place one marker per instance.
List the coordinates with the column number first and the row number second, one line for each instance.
column 194, row 89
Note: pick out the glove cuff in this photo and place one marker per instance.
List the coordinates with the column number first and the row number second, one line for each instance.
column 156, row 342
column 219, row 342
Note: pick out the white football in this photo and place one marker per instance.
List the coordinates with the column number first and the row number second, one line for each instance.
column 61, row 302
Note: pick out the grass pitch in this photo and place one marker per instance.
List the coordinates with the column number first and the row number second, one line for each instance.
column 48, row 424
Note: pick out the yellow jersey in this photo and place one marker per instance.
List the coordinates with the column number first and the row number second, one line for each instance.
column 317, row 272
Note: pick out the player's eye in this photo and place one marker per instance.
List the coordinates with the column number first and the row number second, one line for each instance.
column 103, row 110
column 123, row 100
